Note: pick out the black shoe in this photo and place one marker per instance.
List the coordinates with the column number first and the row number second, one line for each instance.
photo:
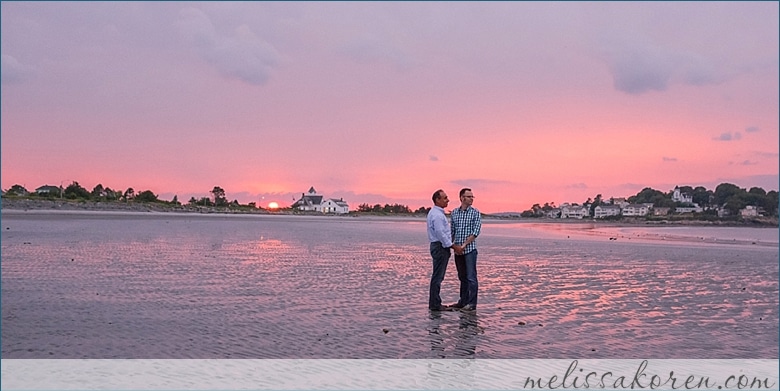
column 441, row 308
column 468, row 308
column 456, row 306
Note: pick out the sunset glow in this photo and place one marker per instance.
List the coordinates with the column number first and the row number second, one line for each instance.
column 273, row 205
column 385, row 102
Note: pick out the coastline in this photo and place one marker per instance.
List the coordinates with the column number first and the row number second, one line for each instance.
column 112, row 207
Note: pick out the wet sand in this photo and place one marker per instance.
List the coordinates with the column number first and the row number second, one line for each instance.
column 149, row 285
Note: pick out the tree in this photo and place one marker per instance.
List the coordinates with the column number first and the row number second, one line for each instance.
column 648, row 195
column 146, row 196
column 74, row 190
column 702, row 196
column 129, row 194
column 111, row 195
column 219, row 196
column 17, row 190
column 725, row 191
column 734, row 203
column 97, row 192
column 596, row 202
column 771, row 203
column 422, row 209
column 175, row 200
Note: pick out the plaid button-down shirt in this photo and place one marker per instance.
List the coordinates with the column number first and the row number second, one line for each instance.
column 464, row 223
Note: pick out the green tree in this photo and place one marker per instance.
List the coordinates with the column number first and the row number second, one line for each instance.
column 111, row 195
column 219, row 196
column 702, row 197
column 757, row 191
column 725, row 191
column 74, row 190
column 129, row 194
column 18, row 190
column 97, row 192
column 734, row 203
column 422, row 209
column 771, row 203
column 146, row 196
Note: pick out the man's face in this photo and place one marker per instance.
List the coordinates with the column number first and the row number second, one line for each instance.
column 467, row 199
column 443, row 200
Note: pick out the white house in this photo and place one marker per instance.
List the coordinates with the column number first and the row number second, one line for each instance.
column 574, row 212
column 621, row 202
column 334, row 206
column 313, row 202
column 47, row 189
column 678, row 196
column 749, row 211
column 636, row 210
column 688, row 209
column 603, row 211
column 661, row 211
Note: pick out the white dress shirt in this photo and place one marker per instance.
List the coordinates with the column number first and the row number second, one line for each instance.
column 439, row 227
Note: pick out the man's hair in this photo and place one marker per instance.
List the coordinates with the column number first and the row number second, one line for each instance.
column 436, row 195
column 463, row 190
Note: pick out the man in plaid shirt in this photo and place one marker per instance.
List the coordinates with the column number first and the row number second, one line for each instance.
column 465, row 227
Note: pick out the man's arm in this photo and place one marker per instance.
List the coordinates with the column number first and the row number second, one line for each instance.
column 476, row 228
column 440, row 227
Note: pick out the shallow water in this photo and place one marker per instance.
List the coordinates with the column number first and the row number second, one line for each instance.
column 207, row 286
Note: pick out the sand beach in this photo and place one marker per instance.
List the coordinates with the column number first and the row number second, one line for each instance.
column 118, row 284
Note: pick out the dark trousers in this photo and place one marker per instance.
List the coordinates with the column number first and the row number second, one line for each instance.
column 441, row 256
column 467, row 274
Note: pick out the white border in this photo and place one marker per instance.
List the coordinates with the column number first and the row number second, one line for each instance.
column 308, row 374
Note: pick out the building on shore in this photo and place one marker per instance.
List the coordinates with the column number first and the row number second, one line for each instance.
column 314, row 202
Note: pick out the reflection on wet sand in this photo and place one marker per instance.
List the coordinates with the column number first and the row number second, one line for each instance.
column 200, row 287
column 448, row 341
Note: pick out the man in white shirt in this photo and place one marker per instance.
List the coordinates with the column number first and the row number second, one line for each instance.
column 440, row 237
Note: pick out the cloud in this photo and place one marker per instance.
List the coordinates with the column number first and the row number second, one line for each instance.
column 752, row 129
column 766, row 155
column 433, row 158
column 12, row 70
column 669, row 159
column 635, row 71
column 577, row 186
column 728, row 136
column 744, row 163
column 243, row 55
column 638, row 66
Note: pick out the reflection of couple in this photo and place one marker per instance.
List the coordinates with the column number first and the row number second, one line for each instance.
column 465, row 343
column 460, row 236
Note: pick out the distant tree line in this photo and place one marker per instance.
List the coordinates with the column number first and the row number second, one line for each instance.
column 387, row 208
column 74, row 191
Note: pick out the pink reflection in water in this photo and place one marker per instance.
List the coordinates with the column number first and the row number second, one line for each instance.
column 202, row 287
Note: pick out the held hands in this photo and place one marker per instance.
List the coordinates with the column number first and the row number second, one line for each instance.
column 458, row 249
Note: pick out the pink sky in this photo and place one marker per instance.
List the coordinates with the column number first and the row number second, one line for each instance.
column 384, row 102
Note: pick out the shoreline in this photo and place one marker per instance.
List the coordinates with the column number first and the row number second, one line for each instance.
column 146, row 209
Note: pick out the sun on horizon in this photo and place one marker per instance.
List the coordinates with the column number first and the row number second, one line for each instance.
column 273, row 205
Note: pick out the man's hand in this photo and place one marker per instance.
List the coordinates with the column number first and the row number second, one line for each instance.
column 458, row 249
